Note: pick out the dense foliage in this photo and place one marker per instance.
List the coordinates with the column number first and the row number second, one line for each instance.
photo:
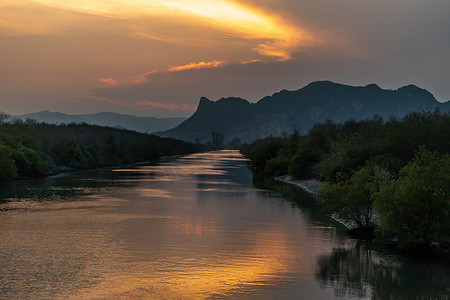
column 390, row 175
column 31, row 149
column 353, row 199
column 415, row 206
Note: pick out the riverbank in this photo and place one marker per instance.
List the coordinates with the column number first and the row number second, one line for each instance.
column 439, row 252
column 63, row 170
column 38, row 150
column 310, row 185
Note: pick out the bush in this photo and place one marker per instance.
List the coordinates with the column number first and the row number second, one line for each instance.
column 415, row 208
column 353, row 199
column 277, row 165
column 301, row 164
column 29, row 162
column 262, row 150
column 8, row 169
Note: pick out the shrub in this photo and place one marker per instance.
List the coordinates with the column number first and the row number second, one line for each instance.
column 415, row 208
column 8, row 169
column 353, row 199
column 277, row 165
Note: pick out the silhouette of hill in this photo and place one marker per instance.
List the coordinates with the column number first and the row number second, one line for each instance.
column 140, row 124
column 285, row 111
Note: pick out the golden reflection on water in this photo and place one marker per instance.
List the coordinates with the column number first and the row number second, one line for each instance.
column 268, row 258
column 195, row 228
column 154, row 193
column 120, row 245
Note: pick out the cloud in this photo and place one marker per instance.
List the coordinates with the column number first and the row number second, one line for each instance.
column 108, row 81
column 281, row 39
column 269, row 34
column 200, row 65
column 144, row 77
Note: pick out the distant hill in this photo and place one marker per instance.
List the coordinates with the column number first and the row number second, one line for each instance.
column 140, row 124
column 283, row 111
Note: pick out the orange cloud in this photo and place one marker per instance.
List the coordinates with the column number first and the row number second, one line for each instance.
column 252, row 61
column 280, row 38
column 108, row 81
column 200, row 65
column 142, row 78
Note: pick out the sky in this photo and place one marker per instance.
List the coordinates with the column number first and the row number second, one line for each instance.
column 158, row 57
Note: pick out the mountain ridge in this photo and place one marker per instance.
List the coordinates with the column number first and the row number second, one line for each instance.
column 285, row 110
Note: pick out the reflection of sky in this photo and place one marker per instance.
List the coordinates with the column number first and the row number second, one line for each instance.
column 192, row 228
column 164, row 234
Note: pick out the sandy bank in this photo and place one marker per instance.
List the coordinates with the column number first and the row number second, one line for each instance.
column 310, row 185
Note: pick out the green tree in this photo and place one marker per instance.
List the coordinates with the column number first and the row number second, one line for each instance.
column 415, row 208
column 29, row 162
column 301, row 164
column 277, row 165
column 352, row 199
column 8, row 169
column 262, row 150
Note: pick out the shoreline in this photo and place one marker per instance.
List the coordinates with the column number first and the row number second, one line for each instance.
column 310, row 185
column 440, row 251
column 64, row 170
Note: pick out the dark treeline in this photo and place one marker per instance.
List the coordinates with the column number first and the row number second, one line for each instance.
column 32, row 149
column 392, row 176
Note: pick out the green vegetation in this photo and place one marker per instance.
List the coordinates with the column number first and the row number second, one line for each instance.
column 31, row 149
column 415, row 206
column 392, row 176
column 353, row 199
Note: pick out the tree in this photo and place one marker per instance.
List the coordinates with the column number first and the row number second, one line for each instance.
column 277, row 165
column 29, row 162
column 352, row 199
column 8, row 169
column 301, row 164
column 415, row 208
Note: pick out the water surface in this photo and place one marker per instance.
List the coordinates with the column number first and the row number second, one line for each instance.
column 193, row 228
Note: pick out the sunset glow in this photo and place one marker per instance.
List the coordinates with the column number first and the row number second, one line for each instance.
column 144, row 77
column 271, row 257
column 252, row 25
column 200, row 65
column 70, row 56
column 174, row 149
column 280, row 39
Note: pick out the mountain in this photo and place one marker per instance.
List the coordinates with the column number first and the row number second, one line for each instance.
column 141, row 124
column 285, row 111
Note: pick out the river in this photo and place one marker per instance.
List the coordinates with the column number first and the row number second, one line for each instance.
column 197, row 227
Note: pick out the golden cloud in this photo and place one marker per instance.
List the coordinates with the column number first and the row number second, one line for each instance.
column 199, row 65
column 273, row 36
column 141, row 78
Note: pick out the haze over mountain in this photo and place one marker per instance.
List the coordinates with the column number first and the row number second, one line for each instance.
column 285, row 111
column 141, row 124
